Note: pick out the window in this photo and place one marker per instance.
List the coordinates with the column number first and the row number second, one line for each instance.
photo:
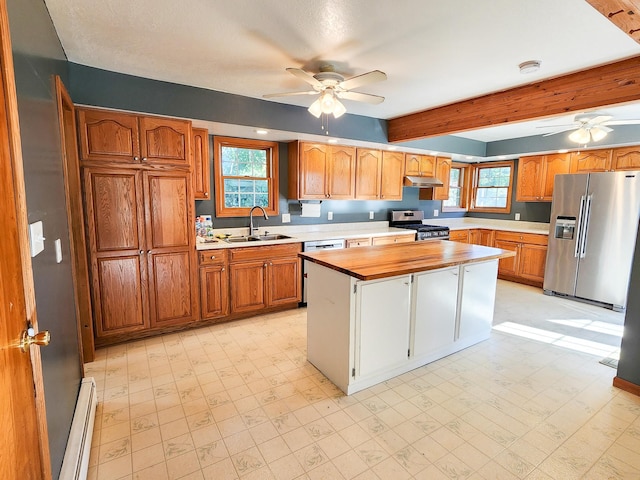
column 492, row 187
column 457, row 188
column 246, row 174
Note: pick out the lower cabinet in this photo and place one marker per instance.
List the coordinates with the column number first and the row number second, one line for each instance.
column 214, row 284
column 263, row 277
column 358, row 242
column 360, row 333
column 481, row 236
column 531, row 255
column 391, row 239
column 461, row 236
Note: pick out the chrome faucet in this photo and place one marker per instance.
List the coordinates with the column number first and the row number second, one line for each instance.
column 251, row 227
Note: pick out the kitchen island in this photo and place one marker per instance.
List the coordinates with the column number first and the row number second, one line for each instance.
column 376, row 312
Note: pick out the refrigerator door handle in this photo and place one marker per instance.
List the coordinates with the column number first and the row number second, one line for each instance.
column 585, row 228
column 581, row 217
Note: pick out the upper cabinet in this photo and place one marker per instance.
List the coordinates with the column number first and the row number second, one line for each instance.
column 201, row 164
column 391, row 174
column 368, row 173
column 442, row 173
column 420, row 165
column 536, row 175
column 591, row 161
column 107, row 136
column 627, row 158
column 319, row 171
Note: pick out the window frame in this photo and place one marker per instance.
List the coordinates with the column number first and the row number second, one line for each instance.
column 476, row 172
column 465, row 176
column 272, row 174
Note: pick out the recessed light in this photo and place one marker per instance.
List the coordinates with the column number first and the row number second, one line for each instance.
column 469, row 157
column 393, row 147
column 501, row 157
column 433, row 153
column 529, row 66
column 564, row 150
column 262, row 131
column 333, row 140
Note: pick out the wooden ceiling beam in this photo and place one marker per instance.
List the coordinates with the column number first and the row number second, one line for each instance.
column 625, row 14
column 606, row 85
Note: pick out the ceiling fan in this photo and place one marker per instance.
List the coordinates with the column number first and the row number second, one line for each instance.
column 590, row 127
column 332, row 87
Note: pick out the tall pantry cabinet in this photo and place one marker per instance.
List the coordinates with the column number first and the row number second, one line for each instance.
column 139, row 203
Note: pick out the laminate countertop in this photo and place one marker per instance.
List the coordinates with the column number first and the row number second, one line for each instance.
column 382, row 261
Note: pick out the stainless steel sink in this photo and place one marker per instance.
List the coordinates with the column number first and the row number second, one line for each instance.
column 275, row 236
column 255, row 238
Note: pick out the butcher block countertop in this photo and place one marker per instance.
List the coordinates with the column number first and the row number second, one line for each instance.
column 382, row 261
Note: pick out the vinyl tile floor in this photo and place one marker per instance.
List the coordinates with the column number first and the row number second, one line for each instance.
column 240, row 401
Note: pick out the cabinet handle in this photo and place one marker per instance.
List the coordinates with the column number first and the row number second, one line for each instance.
column 141, row 252
column 148, row 252
column 222, row 269
column 213, row 257
column 136, row 159
column 271, row 263
column 265, row 265
column 206, row 194
column 144, row 159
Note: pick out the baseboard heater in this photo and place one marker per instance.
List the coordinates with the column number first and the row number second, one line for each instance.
column 75, row 464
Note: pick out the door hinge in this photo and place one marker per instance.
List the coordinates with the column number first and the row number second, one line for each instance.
column 355, row 288
column 353, row 372
column 409, row 353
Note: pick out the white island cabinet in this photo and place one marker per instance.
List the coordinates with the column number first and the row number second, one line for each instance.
column 363, row 332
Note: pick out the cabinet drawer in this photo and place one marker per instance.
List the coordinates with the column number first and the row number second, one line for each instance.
column 531, row 238
column 358, row 242
column 266, row 251
column 212, row 257
column 459, row 236
column 388, row 240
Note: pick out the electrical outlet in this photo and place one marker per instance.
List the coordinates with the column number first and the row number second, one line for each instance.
column 286, row 217
column 371, row 215
column 436, row 213
column 329, row 215
column 517, row 216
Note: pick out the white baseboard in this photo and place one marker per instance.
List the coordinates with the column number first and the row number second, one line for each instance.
column 76, row 456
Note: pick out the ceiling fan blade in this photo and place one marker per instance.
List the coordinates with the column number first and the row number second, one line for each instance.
column 302, row 75
column 621, row 122
column 289, row 94
column 603, row 128
column 568, row 125
column 364, row 79
column 599, row 119
column 361, row 97
column 559, row 131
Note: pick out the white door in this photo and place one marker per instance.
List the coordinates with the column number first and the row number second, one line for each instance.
column 435, row 295
column 382, row 324
column 478, row 299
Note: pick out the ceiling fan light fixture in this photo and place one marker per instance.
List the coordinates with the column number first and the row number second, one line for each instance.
column 339, row 109
column 597, row 134
column 316, row 108
column 581, row 136
column 328, row 101
column 529, row 66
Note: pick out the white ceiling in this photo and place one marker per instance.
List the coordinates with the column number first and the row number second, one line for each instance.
column 434, row 52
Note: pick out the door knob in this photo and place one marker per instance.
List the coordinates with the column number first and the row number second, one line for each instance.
column 28, row 338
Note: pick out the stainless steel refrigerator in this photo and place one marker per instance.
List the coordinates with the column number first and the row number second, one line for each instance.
column 592, row 236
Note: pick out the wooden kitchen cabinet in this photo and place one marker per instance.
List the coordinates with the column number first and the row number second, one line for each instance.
column 392, row 173
column 626, row 158
column 114, row 137
column 536, row 176
column 264, row 277
column 214, row 284
column 442, row 173
column 368, row 173
column 358, row 242
column 531, row 255
column 481, row 236
column 391, row 239
column 591, row 161
column 420, row 165
column 461, row 236
column 201, row 164
column 318, row 171
column 141, row 242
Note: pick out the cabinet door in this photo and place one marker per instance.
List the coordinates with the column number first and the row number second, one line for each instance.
column 481, row 236
column 341, row 173
column 411, row 164
column 461, row 236
column 529, row 178
column 247, row 286
column 553, row 165
column 201, row 164
column 284, row 282
column 508, row 266
column 358, row 242
column 382, row 325
column 434, row 296
column 313, row 170
column 532, row 261
column 627, row 158
column 119, row 294
column 591, row 161
column 477, row 300
column 368, row 170
column 214, row 291
column 443, row 173
column 391, row 239
column 427, row 165
column 165, row 141
column 108, row 136
column 391, row 175
column 172, row 290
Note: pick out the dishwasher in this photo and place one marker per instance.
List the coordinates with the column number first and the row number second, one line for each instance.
column 314, row 246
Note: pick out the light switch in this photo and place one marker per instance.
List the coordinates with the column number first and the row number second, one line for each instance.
column 329, row 215
column 286, row 217
column 58, row 245
column 370, row 215
column 517, row 216
column 36, row 238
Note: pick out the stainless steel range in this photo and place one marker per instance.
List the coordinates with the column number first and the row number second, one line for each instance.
column 412, row 219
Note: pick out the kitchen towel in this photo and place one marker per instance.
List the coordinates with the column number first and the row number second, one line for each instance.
column 310, row 210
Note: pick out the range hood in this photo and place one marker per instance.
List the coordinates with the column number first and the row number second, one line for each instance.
column 422, row 182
